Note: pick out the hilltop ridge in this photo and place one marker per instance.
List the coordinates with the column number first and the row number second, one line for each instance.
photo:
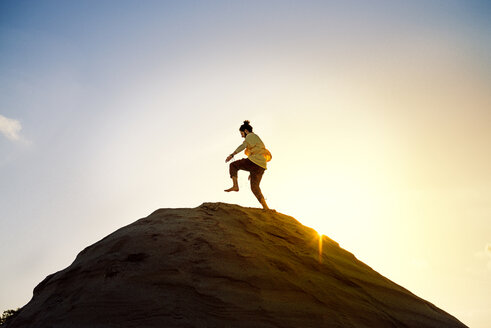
column 222, row 265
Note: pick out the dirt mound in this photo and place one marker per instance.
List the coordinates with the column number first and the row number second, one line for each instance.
column 222, row 265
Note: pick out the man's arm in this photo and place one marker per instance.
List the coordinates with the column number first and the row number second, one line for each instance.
column 238, row 150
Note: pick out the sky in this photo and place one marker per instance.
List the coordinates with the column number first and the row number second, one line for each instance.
column 377, row 115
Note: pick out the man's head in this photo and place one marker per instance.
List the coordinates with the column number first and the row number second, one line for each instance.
column 245, row 129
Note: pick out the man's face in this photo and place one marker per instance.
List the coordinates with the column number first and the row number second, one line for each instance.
column 242, row 133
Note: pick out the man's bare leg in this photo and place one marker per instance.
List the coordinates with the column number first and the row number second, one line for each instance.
column 263, row 203
column 235, row 187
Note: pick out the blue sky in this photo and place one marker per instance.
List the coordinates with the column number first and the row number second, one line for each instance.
column 377, row 115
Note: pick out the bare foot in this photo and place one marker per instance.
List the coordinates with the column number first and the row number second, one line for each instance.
column 232, row 189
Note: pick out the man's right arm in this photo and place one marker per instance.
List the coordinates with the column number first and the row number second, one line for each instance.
column 240, row 148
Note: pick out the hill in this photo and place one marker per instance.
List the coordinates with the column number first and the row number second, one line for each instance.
column 222, row 265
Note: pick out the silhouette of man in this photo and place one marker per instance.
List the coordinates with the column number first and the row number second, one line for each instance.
column 255, row 163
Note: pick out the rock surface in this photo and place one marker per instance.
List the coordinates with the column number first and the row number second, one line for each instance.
column 222, row 265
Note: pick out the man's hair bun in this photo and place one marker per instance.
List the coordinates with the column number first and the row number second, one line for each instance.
column 246, row 126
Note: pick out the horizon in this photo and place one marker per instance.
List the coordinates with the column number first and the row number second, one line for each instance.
column 377, row 117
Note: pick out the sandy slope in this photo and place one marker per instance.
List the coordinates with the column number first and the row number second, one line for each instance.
column 222, row 265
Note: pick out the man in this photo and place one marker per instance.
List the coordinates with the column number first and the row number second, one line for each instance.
column 255, row 163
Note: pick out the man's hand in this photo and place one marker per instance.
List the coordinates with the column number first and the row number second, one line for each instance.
column 229, row 158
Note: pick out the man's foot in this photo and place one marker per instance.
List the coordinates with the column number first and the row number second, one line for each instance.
column 235, row 185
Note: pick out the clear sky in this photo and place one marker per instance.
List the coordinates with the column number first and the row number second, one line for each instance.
column 377, row 114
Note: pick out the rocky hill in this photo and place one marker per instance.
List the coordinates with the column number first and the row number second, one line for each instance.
column 222, row 265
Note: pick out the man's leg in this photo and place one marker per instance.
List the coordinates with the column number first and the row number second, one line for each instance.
column 256, row 177
column 235, row 166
